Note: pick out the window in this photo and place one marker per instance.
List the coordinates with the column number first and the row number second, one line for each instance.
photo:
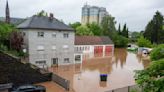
column 40, row 62
column 40, row 34
column 66, row 60
column 65, row 35
column 78, row 58
column 54, row 35
column 53, row 47
column 40, row 48
column 65, row 46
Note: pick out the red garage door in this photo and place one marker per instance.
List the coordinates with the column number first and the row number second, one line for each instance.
column 108, row 50
column 98, row 51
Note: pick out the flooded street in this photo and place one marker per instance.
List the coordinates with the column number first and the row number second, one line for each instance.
column 119, row 67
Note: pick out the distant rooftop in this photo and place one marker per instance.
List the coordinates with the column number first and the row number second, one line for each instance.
column 43, row 22
column 92, row 40
column 14, row 21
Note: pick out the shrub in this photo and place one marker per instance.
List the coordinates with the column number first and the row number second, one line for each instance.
column 142, row 42
column 120, row 41
column 151, row 79
column 157, row 53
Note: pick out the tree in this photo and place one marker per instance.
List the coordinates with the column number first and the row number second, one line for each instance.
column 5, row 30
column 42, row 13
column 149, row 31
column 120, row 41
column 108, row 26
column 119, row 29
column 135, row 36
column 125, row 31
column 154, row 30
column 142, row 42
column 16, row 41
column 83, row 30
column 95, row 28
column 152, row 78
column 75, row 25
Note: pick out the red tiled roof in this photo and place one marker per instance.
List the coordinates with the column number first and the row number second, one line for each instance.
column 92, row 40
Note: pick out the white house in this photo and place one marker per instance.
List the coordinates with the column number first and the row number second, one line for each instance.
column 48, row 41
column 92, row 46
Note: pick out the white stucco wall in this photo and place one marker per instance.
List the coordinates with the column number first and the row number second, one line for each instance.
column 33, row 41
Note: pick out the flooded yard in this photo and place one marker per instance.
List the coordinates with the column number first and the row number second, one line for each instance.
column 119, row 67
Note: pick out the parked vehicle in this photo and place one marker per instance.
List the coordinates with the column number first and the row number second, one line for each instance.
column 30, row 88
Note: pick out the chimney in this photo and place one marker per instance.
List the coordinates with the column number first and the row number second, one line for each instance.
column 51, row 16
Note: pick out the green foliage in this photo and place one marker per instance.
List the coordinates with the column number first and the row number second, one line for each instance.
column 154, row 31
column 75, row 25
column 152, row 78
column 134, row 36
column 5, row 30
column 108, row 26
column 119, row 29
column 125, row 31
column 83, row 30
column 3, row 47
column 157, row 53
column 120, row 41
column 95, row 28
column 142, row 42
column 42, row 13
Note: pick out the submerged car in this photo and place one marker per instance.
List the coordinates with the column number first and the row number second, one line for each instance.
column 30, row 88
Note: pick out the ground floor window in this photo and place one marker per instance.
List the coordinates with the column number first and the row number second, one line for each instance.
column 78, row 58
column 66, row 60
column 55, row 61
column 41, row 62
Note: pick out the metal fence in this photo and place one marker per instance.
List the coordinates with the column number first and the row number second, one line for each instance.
column 133, row 88
column 61, row 81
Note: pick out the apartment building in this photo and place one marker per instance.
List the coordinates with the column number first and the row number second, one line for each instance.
column 92, row 14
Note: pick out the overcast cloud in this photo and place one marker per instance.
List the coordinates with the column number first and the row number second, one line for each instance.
column 136, row 13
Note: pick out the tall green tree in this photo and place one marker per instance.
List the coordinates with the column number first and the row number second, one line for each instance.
column 154, row 30
column 148, row 33
column 5, row 31
column 108, row 26
column 119, row 29
column 125, row 31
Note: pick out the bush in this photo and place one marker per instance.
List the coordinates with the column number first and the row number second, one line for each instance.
column 3, row 47
column 142, row 42
column 157, row 53
column 120, row 41
column 151, row 79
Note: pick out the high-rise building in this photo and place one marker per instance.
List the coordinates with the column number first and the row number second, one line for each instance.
column 92, row 14
column 7, row 13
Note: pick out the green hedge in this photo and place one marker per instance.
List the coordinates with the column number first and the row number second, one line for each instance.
column 157, row 53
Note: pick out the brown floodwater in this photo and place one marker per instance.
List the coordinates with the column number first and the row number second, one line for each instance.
column 85, row 77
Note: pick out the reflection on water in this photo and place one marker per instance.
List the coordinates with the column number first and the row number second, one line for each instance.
column 119, row 68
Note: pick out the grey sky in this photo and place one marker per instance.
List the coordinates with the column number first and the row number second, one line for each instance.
column 136, row 13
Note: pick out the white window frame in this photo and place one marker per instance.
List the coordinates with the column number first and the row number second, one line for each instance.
column 40, row 34
column 40, row 48
column 65, row 35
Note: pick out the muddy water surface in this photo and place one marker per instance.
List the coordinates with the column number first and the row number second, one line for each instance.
column 85, row 77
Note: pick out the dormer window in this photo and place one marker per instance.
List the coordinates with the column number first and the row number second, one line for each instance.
column 40, row 34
